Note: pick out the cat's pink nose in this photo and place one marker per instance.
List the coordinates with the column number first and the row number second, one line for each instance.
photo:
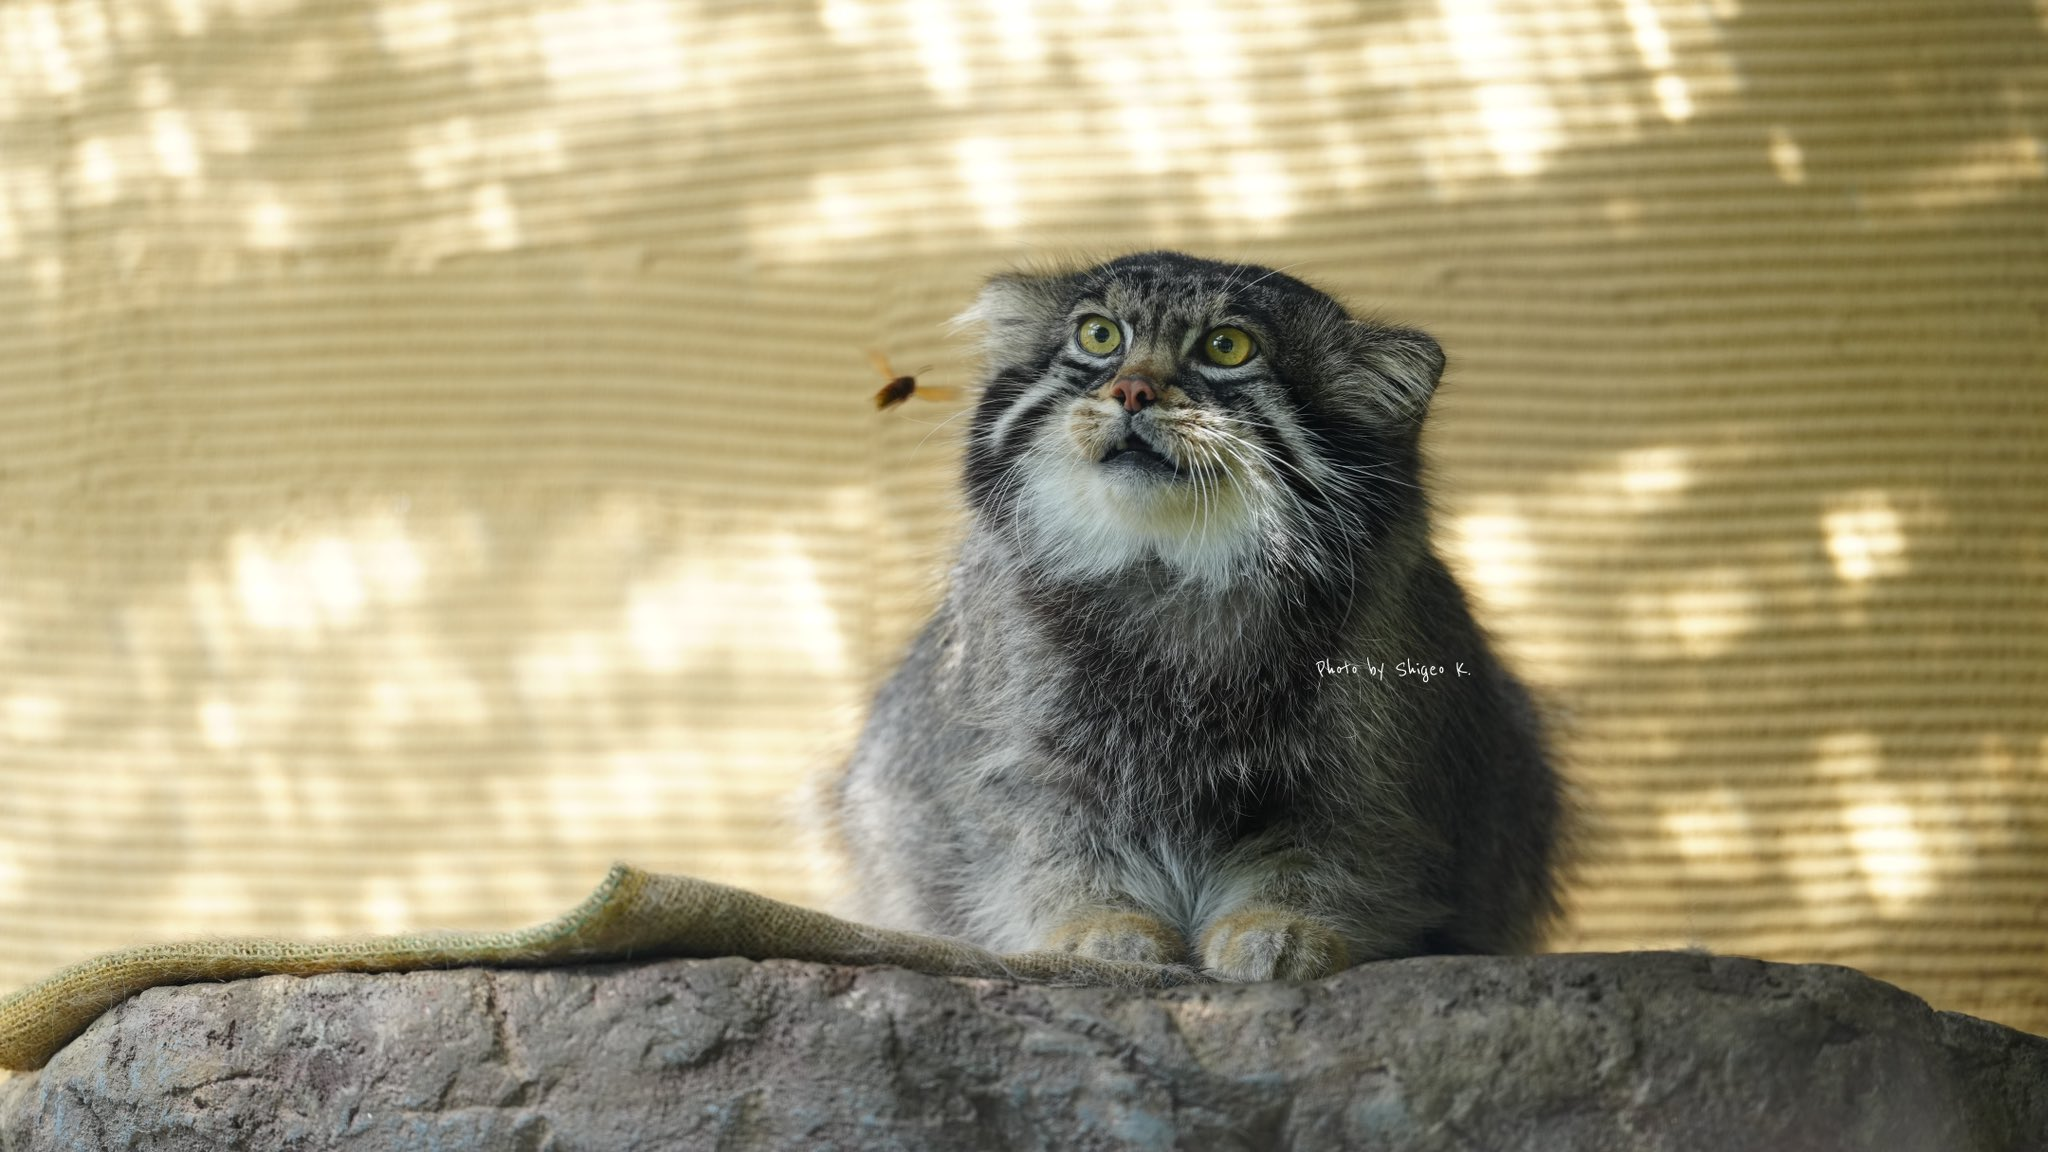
column 1134, row 392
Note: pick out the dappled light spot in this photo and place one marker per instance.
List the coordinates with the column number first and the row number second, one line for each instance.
column 1864, row 537
column 329, row 570
column 1018, row 29
column 32, row 718
column 14, row 873
column 1651, row 40
column 1144, row 133
column 1520, row 125
column 267, row 600
column 1709, row 617
column 439, row 152
column 842, row 212
column 46, row 273
column 419, row 688
column 386, row 907
column 1702, row 617
column 215, row 897
column 1891, row 853
column 1788, row 159
column 667, row 620
column 1822, row 873
column 984, row 166
column 307, row 584
column 1625, row 214
column 177, row 152
column 417, row 32
column 1253, row 188
column 1211, row 58
column 940, row 52
column 845, row 206
column 220, row 725
column 269, row 223
column 1342, row 157
column 95, row 171
column 1850, row 754
column 1715, row 834
column 1480, row 39
column 497, row 222
column 1674, row 98
column 1654, row 473
column 851, row 22
column 313, row 587
column 39, row 47
column 1498, row 555
column 764, row 607
column 1520, row 122
column 10, row 226
column 602, row 48
column 1539, row 80
column 1981, row 172
column 150, row 87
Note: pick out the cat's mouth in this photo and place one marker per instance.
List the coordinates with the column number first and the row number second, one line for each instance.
column 1132, row 451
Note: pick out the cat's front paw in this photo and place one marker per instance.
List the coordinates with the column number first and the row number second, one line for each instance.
column 1265, row 942
column 1118, row 935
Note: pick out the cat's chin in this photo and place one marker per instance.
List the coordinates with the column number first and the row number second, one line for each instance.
column 1094, row 518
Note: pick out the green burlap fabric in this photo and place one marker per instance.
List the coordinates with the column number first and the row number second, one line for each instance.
column 632, row 915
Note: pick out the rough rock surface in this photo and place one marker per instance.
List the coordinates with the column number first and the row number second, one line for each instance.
column 1635, row 1051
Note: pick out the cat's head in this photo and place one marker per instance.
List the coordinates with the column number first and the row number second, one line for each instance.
column 1223, row 420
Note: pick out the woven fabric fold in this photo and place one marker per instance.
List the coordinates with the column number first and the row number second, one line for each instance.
column 633, row 915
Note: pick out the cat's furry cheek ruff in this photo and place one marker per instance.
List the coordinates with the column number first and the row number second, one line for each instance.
column 1081, row 521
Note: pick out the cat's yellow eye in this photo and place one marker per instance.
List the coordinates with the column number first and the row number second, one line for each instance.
column 1099, row 335
column 1227, row 346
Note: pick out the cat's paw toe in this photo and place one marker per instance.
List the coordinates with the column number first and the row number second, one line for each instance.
column 1117, row 935
column 1269, row 943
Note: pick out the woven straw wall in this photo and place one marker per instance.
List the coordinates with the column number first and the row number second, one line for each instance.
column 435, row 454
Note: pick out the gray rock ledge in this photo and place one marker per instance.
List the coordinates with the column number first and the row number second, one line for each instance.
column 1631, row 1051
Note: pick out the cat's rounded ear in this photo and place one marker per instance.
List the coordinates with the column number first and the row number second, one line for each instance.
column 1016, row 309
column 1405, row 365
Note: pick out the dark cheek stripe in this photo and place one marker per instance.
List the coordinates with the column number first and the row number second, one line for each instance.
column 1359, row 457
column 1073, row 364
column 1286, row 462
column 987, row 464
column 1026, row 425
column 1002, row 391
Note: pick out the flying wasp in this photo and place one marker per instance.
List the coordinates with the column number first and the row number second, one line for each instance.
column 901, row 388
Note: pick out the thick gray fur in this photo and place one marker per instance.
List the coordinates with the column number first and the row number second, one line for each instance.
column 1119, row 710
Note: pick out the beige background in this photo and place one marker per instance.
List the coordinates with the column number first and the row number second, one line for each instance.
column 436, row 457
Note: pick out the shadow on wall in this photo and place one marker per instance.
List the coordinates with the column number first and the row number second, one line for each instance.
column 437, row 457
